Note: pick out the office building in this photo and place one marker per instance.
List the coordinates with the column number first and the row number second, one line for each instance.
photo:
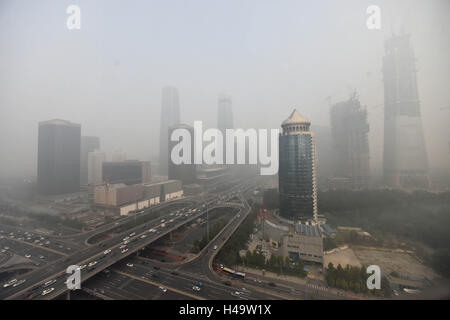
column 58, row 169
column 127, row 172
column 225, row 120
column 297, row 171
column 170, row 116
column 95, row 162
column 88, row 144
column 405, row 162
column 349, row 131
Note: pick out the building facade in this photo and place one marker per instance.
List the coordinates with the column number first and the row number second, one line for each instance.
column 58, row 170
column 349, row 130
column 405, row 162
column 88, row 144
column 128, row 172
column 170, row 116
column 95, row 163
column 297, row 169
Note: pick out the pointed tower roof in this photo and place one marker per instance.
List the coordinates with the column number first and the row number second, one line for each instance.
column 295, row 118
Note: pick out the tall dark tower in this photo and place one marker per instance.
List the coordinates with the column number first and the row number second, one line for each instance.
column 185, row 172
column 170, row 116
column 297, row 170
column 405, row 162
column 349, row 130
column 58, row 169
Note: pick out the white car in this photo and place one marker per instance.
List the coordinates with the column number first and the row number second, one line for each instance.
column 126, row 242
column 215, row 247
column 126, row 238
column 28, row 256
column 82, row 267
column 50, row 282
column 47, row 291
column 196, row 288
column 124, row 250
column 143, row 236
column 163, row 288
column 93, row 263
column 18, row 283
column 130, row 265
column 132, row 234
column 106, row 251
column 9, row 283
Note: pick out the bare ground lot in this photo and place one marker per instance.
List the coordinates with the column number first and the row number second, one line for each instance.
column 388, row 260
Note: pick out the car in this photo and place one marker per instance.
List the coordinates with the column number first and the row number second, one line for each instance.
column 107, row 251
column 50, row 282
column 28, row 256
column 163, row 288
column 82, row 267
column 143, row 236
column 195, row 288
column 126, row 238
column 9, row 283
column 215, row 247
column 162, row 220
column 93, row 263
column 122, row 246
column 132, row 234
column 3, row 251
column 47, row 291
column 126, row 242
column 130, row 265
column 156, row 267
column 175, row 273
column 41, row 257
column 227, row 283
column 124, row 250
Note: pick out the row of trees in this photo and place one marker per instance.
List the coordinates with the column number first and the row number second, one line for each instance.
column 354, row 279
column 229, row 254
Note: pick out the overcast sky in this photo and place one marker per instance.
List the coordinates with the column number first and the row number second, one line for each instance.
column 271, row 56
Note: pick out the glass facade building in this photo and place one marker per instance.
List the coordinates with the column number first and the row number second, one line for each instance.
column 297, row 172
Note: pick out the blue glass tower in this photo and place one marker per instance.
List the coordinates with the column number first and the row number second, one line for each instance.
column 297, row 171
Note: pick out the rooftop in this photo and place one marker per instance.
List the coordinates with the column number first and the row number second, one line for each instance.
column 295, row 118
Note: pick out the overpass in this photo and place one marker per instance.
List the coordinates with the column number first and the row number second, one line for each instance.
column 97, row 258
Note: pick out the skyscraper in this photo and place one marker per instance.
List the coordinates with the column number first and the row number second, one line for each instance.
column 58, row 169
column 185, row 172
column 170, row 116
column 349, row 130
column 297, row 170
column 405, row 162
column 88, row 144
column 95, row 162
column 225, row 119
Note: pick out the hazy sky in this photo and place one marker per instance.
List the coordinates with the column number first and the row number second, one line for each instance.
column 269, row 55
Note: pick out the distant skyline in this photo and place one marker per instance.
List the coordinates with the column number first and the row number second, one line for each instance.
column 269, row 56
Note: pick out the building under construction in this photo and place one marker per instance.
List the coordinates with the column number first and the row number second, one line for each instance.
column 405, row 162
column 349, row 130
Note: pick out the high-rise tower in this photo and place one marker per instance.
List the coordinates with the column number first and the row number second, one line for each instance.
column 225, row 119
column 405, row 163
column 170, row 116
column 58, row 169
column 349, row 131
column 297, row 170
column 88, row 144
